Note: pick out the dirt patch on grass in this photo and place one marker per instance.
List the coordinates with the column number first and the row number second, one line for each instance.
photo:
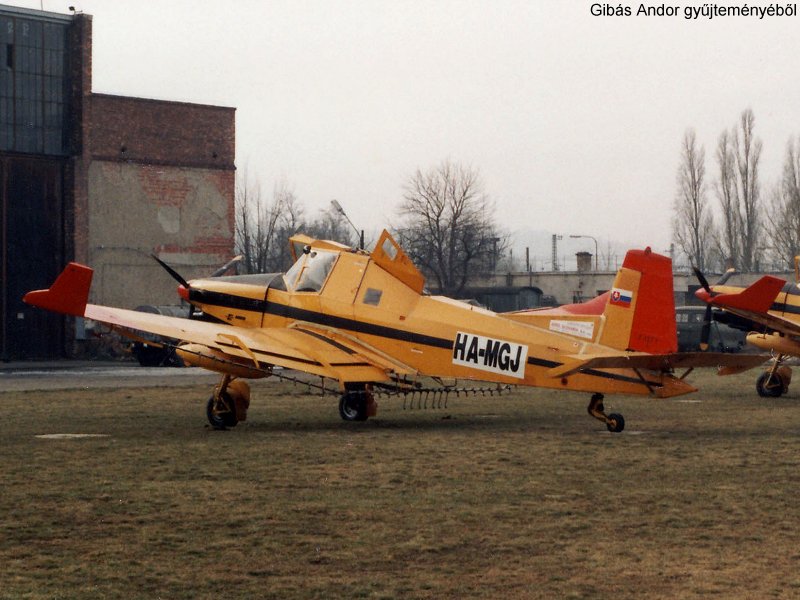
column 538, row 501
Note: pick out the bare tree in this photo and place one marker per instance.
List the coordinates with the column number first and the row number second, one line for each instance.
column 784, row 216
column 331, row 225
column 263, row 226
column 739, row 192
column 448, row 229
column 692, row 223
column 728, row 240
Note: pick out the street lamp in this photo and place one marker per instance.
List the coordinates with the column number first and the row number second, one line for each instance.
column 595, row 246
column 360, row 236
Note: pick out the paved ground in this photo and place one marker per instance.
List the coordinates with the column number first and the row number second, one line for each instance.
column 58, row 375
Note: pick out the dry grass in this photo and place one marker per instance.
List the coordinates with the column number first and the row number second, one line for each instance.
column 519, row 497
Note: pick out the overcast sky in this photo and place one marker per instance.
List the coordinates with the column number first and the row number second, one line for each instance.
column 573, row 120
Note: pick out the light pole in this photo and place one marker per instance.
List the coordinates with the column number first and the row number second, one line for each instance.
column 360, row 236
column 595, row 246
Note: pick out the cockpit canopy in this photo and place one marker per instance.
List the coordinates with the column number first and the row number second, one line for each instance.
column 309, row 272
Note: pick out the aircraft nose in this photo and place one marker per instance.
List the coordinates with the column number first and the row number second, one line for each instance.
column 703, row 295
column 183, row 292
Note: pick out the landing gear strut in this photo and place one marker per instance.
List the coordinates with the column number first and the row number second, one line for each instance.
column 774, row 382
column 614, row 422
column 229, row 403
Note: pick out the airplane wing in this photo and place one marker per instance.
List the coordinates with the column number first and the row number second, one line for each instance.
column 322, row 352
column 773, row 322
column 727, row 363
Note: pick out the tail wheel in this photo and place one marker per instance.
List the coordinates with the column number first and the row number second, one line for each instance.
column 221, row 413
column 769, row 385
column 615, row 423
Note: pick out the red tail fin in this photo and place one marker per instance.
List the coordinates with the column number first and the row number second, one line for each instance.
column 68, row 294
column 757, row 298
column 640, row 314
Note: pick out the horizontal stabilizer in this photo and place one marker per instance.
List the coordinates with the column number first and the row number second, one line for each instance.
column 658, row 362
column 68, row 294
column 756, row 298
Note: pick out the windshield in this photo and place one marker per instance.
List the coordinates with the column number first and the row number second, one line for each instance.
column 308, row 274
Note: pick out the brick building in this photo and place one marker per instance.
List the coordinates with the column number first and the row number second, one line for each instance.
column 100, row 179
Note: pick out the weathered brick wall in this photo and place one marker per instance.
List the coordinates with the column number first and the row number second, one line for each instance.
column 163, row 133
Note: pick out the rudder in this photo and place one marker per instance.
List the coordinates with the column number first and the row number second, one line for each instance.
column 640, row 314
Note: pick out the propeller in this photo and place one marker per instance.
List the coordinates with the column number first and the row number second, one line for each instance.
column 183, row 290
column 702, row 279
column 725, row 276
column 705, row 331
column 221, row 271
column 175, row 275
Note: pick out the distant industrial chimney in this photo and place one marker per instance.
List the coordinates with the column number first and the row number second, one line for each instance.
column 584, row 260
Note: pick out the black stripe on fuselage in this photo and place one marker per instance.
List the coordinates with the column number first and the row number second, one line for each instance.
column 310, row 316
column 790, row 289
column 290, row 312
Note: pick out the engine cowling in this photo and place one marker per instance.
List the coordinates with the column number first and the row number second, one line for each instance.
column 774, row 342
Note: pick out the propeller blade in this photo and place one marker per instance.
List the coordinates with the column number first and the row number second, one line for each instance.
column 725, row 276
column 702, row 279
column 175, row 275
column 219, row 272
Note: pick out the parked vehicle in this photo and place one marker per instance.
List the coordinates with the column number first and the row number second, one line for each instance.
column 722, row 337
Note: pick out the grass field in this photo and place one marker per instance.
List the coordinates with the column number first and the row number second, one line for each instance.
column 519, row 497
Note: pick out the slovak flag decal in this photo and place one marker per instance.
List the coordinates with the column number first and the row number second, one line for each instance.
column 620, row 297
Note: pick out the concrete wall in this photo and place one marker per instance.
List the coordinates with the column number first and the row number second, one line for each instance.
column 183, row 215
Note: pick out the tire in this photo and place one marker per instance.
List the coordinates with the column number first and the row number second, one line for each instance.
column 148, row 356
column 353, row 406
column 221, row 420
column 617, row 423
column 769, row 386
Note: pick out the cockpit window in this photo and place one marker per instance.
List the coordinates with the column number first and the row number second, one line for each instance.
column 310, row 271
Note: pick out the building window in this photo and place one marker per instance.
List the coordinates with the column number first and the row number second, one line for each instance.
column 33, row 87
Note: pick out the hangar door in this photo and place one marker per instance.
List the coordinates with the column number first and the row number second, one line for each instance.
column 32, row 246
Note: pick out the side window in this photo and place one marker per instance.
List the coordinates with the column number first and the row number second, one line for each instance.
column 372, row 296
column 294, row 271
column 390, row 248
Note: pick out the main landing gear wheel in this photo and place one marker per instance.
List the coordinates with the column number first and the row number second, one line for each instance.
column 229, row 403
column 614, row 422
column 353, row 406
column 221, row 413
column 357, row 402
column 770, row 385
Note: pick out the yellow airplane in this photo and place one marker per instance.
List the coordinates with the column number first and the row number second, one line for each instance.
column 364, row 321
column 771, row 305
